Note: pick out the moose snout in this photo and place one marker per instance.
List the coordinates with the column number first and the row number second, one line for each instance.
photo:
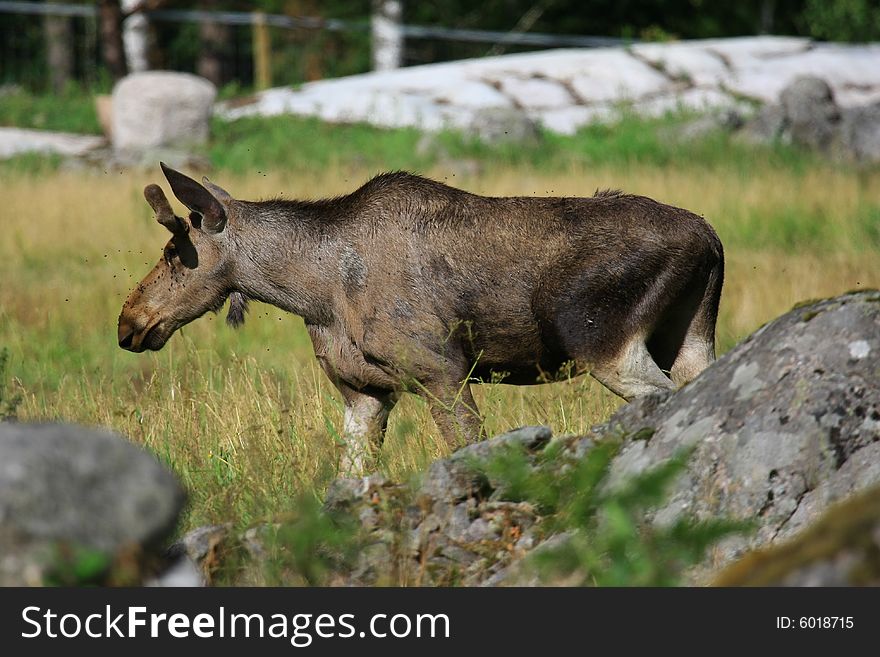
column 126, row 334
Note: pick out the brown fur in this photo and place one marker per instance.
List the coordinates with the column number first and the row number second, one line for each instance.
column 407, row 284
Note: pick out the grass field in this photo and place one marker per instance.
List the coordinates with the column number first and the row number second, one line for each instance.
column 246, row 418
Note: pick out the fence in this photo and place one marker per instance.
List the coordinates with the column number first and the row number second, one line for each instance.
column 255, row 49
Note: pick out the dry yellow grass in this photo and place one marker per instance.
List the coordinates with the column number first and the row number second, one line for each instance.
column 246, row 418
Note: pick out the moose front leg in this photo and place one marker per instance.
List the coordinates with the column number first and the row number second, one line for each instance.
column 455, row 412
column 364, row 424
column 366, row 406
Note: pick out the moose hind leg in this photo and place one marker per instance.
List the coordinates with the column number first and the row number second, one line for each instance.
column 365, row 420
column 632, row 373
column 698, row 347
column 695, row 355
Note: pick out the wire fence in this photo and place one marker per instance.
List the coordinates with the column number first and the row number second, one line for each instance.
column 301, row 48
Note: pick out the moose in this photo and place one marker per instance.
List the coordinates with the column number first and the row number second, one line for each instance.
column 407, row 284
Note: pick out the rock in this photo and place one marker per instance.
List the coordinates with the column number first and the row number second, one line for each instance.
column 201, row 548
column 568, row 120
column 839, row 549
column 537, row 93
column 859, row 136
column 687, row 60
column 181, row 573
column 811, row 113
column 809, row 116
column 782, row 426
column 565, row 89
column 199, row 543
column 472, row 94
column 455, row 478
column 256, row 540
column 72, row 487
column 613, row 75
column 505, row 125
column 725, row 120
column 700, row 101
column 345, row 492
column 767, row 126
column 161, row 109
column 15, row 141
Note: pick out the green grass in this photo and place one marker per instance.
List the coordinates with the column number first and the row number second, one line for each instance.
column 72, row 111
column 257, row 144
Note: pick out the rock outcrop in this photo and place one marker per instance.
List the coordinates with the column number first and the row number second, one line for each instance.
column 563, row 90
column 783, row 425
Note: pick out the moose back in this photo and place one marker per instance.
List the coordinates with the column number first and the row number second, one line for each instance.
column 407, row 284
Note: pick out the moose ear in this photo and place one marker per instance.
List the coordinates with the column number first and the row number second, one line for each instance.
column 196, row 198
column 216, row 191
column 164, row 214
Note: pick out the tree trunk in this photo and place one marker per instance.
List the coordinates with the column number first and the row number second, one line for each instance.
column 213, row 53
column 136, row 36
column 765, row 22
column 59, row 50
column 112, row 51
column 387, row 35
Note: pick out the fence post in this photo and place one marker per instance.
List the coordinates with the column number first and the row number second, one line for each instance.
column 262, row 51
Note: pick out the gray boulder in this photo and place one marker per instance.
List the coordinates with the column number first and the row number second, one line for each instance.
column 785, row 424
column 859, row 135
column 768, row 125
column 812, row 115
column 72, row 487
column 505, row 125
column 161, row 110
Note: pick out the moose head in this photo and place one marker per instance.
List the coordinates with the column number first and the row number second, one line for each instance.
column 195, row 272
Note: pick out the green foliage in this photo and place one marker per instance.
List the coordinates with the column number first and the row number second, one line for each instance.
column 607, row 540
column 77, row 566
column 312, row 544
column 72, row 111
column 843, row 20
column 9, row 399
